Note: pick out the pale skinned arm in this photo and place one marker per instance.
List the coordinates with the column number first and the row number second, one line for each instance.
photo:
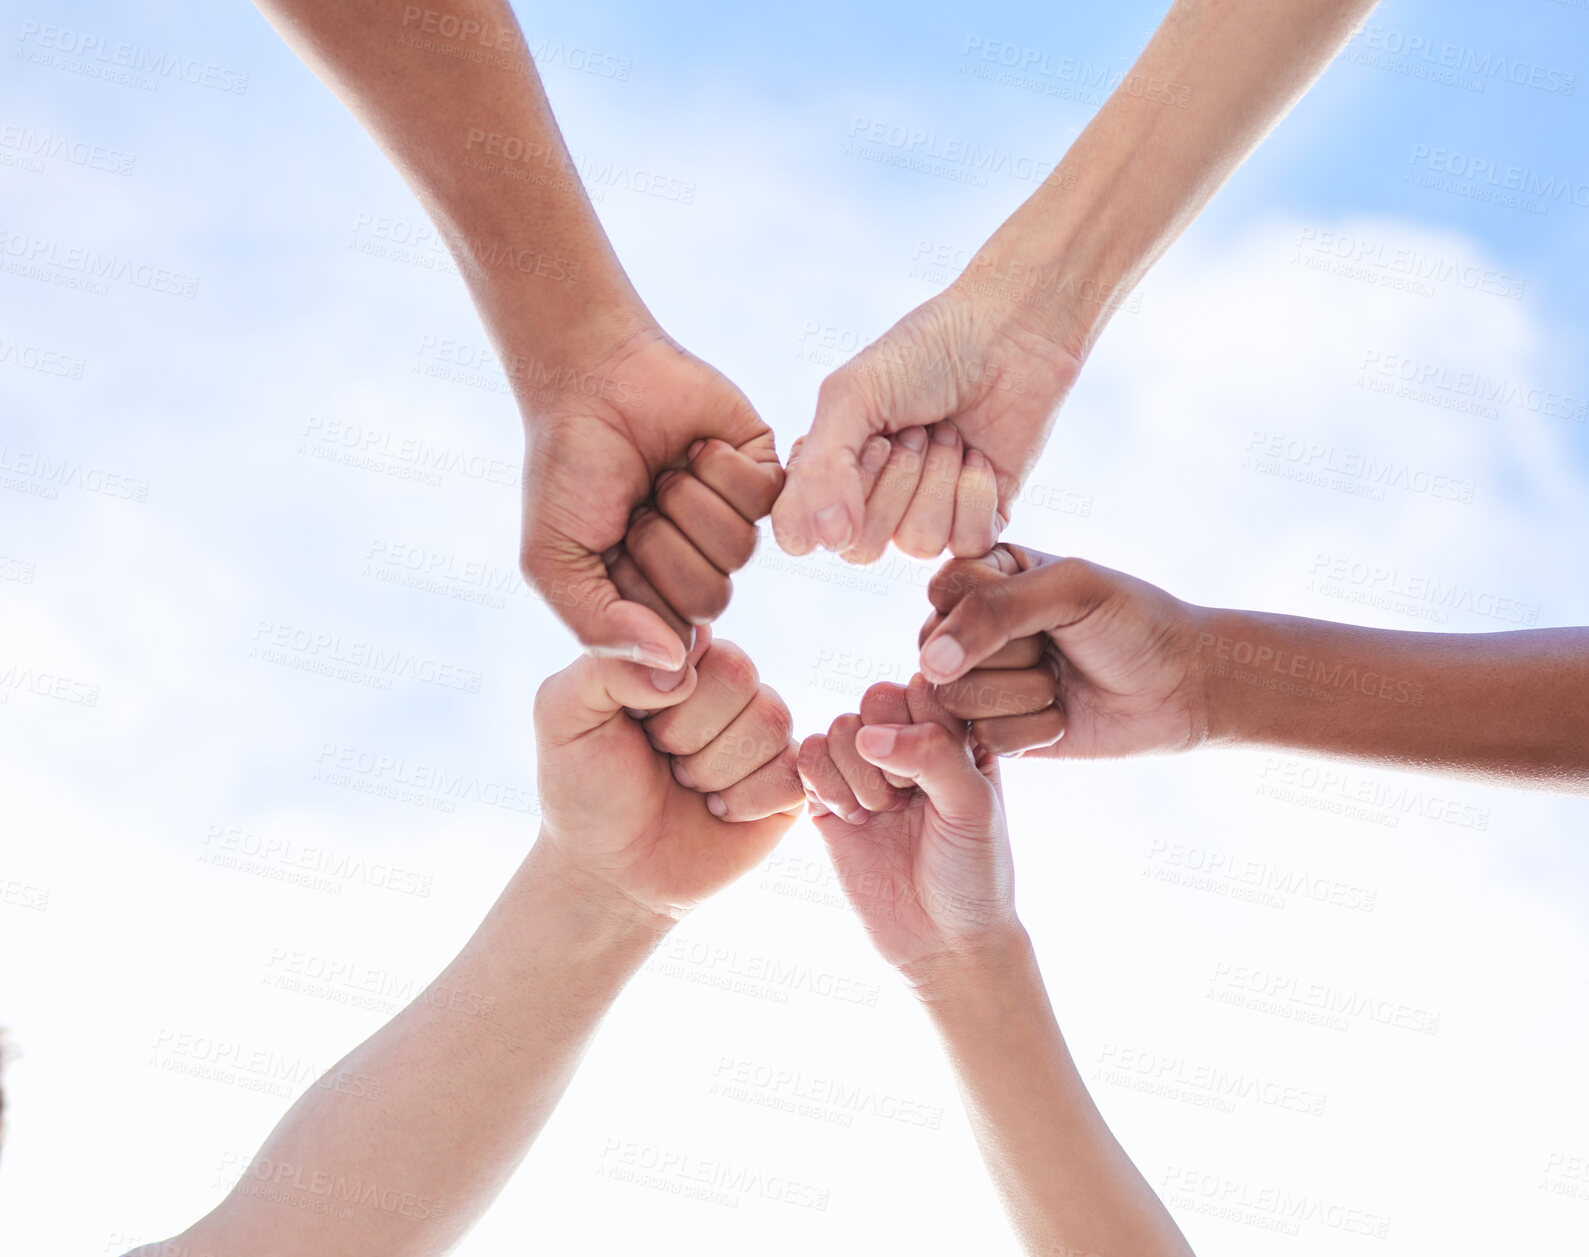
column 913, row 816
column 401, row 1147
column 999, row 350
column 609, row 402
column 1066, row 1184
column 1139, row 671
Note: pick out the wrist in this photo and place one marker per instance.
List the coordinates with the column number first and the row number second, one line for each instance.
column 969, row 971
column 589, row 913
column 1051, row 268
column 1230, row 672
column 576, row 360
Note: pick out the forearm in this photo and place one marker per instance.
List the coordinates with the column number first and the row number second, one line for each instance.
column 1513, row 707
column 476, row 140
column 402, row 1146
column 1067, row 1185
column 1213, row 81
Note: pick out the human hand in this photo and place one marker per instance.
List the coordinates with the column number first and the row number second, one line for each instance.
column 988, row 364
column 599, row 451
column 913, row 817
column 1011, row 699
column 665, row 796
column 682, row 544
column 1123, row 651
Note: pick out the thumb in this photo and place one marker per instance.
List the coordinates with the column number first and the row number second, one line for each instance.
column 577, row 586
column 939, row 761
column 824, row 500
column 1046, row 598
column 591, row 691
column 959, row 577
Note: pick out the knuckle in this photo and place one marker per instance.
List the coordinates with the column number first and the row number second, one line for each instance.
column 674, row 493
column 1073, row 571
column 935, row 739
column 987, row 606
column 842, row 387
column 917, row 544
column 545, row 699
column 813, row 750
column 739, row 545
column 775, row 482
column 879, row 695
column 644, row 531
column 709, row 598
column 731, row 668
column 845, row 727
column 865, row 552
column 776, row 721
column 949, row 584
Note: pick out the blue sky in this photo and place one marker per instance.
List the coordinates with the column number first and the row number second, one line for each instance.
column 217, row 520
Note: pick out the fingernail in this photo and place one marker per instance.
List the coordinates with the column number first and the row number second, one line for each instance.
column 833, row 526
column 634, row 713
column 715, row 805
column 875, row 455
column 942, row 655
column 682, row 775
column 665, row 681
column 976, row 460
column 876, row 740
column 943, row 434
column 858, row 817
column 653, row 657
column 696, row 447
column 913, row 439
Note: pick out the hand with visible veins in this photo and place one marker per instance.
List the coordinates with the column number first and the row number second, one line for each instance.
column 962, row 392
column 998, row 351
column 925, row 491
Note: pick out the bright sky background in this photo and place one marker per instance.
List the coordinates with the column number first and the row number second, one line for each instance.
column 125, row 933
